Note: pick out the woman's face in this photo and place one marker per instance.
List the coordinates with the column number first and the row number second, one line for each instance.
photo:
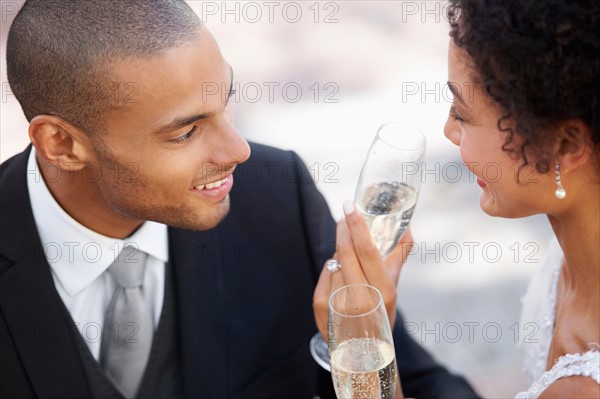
column 509, row 189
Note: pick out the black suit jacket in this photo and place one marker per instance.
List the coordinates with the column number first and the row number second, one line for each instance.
column 243, row 292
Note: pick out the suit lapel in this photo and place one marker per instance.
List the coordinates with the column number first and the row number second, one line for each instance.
column 39, row 324
column 199, row 293
column 41, row 330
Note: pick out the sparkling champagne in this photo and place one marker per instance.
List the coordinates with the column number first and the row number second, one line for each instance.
column 387, row 209
column 364, row 369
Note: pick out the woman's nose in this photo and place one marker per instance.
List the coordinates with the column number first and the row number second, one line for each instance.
column 452, row 131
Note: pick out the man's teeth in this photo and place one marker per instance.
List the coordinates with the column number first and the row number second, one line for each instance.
column 212, row 185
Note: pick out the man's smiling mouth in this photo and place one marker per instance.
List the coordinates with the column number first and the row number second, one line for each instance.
column 214, row 184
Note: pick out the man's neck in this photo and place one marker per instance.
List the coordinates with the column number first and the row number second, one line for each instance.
column 83, row 200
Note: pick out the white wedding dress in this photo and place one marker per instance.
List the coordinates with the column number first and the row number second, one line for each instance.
column 539, row 304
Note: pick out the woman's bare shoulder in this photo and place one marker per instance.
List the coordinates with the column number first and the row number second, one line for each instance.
column 580, row 387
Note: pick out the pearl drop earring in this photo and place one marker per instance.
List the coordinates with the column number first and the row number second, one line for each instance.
column 560, row 192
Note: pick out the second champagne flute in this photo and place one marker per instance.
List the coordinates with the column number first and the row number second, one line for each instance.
column 363, row 360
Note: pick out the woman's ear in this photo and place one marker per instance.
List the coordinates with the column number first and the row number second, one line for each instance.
column 60, row 142
column 574, row 147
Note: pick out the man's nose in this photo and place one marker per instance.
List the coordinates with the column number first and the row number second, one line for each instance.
column 231, row 148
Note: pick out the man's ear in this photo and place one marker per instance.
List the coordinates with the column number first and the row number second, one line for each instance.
column 574, row 147
column 60, row 142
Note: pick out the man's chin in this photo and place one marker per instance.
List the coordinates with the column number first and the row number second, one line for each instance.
column 188, row 218
column 201, row 222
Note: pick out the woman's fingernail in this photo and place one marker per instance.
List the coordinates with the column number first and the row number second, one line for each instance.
column 348, row 207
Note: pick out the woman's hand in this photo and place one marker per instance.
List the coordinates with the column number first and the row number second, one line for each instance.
column 360, row 263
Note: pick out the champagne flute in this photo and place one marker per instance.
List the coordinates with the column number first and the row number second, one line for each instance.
column 363, row 359
column 388, row 187
column 386, row 195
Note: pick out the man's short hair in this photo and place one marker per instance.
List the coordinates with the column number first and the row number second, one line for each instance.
column 59, row 52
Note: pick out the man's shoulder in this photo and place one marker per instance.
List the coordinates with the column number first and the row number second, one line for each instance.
column 268, row 166
column 14, row 166
column 265, row 153
column 17, row 228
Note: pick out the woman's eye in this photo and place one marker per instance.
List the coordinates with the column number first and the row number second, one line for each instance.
column 184, row 137
column 454, row 114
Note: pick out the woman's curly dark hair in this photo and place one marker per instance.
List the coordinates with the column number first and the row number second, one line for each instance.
column 539, row 60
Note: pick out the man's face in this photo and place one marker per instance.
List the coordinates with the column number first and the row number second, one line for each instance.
column 161, row 153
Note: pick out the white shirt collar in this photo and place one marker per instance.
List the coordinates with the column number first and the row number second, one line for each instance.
column 76, row 254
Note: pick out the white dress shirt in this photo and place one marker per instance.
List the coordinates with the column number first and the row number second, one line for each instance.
column 79, row 257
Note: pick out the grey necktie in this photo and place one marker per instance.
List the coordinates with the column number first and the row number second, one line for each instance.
column 128, row 326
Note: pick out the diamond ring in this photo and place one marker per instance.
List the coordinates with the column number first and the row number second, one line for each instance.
column 333, row 265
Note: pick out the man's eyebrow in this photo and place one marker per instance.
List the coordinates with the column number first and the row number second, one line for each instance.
column 455, row 92
column 181, row 122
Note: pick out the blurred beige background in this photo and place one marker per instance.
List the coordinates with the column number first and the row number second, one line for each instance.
column 319, row 78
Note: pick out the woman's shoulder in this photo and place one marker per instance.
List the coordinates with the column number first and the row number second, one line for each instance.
column 572, row 387
column 573, row 375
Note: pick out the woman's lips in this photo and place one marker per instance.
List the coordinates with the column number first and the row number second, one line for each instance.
column 481, row 183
